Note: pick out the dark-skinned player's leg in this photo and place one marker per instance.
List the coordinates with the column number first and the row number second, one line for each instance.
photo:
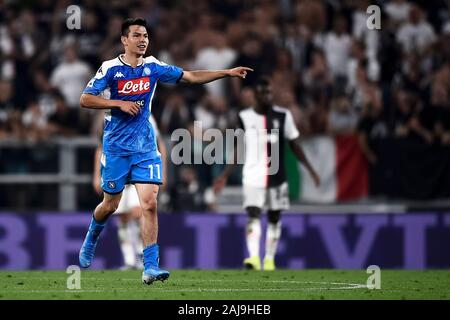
column 272, row 238
column 253, row 237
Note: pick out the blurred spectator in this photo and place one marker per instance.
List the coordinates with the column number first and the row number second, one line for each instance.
column 372, row 131
column 90, row 38
column 283, row 74
column 65, row 120
column 203, row 34
column 252, row 55
column 316, row 78
column 369, row 38
column 19, row 47
column 372, row 125
column 357, row 56
column 34, row 122
column 312, row 15
column 71, row 77
column 297, row 39
column 176, row 114
column 433, row 123
column 365, row 94
column 416, row 35
column 212, row 112
column 337, row 45
column 406, row 107
column 342, row 119
column 217, row 56
column 152, row 12
column 187, row 193
column 6, row 95
column 247, row 98
column 397, row 10
column 110, row 47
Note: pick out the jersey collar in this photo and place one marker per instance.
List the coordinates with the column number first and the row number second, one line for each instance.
column 127, row 64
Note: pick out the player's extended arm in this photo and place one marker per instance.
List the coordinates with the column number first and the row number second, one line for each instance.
column 298, row 151
column 205, row 76
column 95, row 102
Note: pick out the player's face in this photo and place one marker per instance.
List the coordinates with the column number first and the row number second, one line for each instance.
column 137, row 40
column 263, row 94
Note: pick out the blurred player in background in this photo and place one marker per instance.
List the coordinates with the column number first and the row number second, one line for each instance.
column 262, row 187
column 129, row 210
column 124, row 86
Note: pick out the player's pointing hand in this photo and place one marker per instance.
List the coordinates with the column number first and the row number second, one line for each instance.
column 240, row 72
column 130, row 107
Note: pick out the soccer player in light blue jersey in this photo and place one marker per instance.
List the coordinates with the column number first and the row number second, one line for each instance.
column 125, row 86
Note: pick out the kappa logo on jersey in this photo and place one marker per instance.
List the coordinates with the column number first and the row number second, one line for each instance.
column 91, row 83
column 119, row 75
column 134, row 86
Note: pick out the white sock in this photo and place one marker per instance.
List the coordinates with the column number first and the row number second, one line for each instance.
column 272, row 238
column 253, row 236
column 126, row 245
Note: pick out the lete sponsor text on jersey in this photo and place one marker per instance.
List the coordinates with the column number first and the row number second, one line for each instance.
column 134, row 86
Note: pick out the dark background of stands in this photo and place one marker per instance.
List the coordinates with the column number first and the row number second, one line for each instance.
column 390, row 87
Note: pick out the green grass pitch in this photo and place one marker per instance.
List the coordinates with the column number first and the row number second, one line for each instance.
column 228, row 285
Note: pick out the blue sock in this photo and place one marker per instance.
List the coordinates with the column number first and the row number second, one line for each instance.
column 151, row 256
column 96, row 227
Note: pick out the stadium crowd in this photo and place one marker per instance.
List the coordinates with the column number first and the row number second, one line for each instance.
column 333, row 73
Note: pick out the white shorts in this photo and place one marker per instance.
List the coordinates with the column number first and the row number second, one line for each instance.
column 129, row 199
column 276, row 198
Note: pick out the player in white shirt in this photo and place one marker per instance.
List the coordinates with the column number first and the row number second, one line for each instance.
column 264, row 177
column 129, row 210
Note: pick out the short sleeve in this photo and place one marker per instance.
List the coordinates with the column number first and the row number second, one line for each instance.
column 168, row 73
column 290, row 130
column 98, row 83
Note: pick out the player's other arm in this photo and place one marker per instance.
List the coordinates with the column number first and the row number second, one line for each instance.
column 91, row 101
column 298, row 151
column 96, row 174
column 205, row 76
column 163, row 150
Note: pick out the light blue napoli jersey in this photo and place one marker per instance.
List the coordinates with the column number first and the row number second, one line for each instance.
column 125, row 134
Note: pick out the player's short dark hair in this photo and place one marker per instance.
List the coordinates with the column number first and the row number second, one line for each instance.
column 132, row 22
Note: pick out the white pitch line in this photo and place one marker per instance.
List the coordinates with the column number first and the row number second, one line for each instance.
column 199, row 290
column 201, row 280
column 346, row 286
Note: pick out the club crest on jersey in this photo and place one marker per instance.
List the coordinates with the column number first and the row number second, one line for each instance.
column 111, row 184
column 147, row 71
column 133, row 86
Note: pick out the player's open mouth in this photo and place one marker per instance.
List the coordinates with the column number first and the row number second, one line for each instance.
column 141, row 46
